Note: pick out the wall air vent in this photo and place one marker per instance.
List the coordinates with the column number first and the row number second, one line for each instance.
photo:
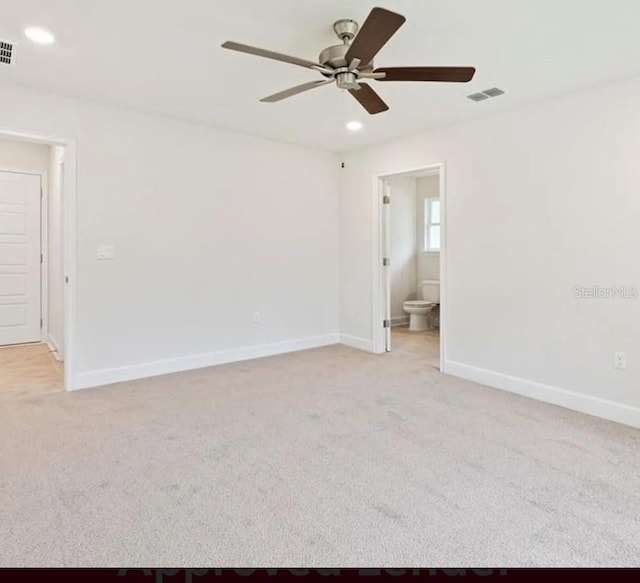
column 6, row 52
column 478, row 97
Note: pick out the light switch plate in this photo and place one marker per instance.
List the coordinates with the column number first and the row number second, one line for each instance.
column 106, row 252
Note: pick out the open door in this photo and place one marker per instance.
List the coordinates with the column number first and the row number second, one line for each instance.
column 20, row 259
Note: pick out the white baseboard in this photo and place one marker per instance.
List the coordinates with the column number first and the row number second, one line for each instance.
column 611, row 410
column 359, row 343
column 54, row 347
column 110, row 376
column 400, row 321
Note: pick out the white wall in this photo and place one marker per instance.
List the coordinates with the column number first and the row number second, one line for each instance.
column 403, row 252
column 56, row 252
column 209, row 227
column 428, row 263
column 26, row 156
column 539, row 200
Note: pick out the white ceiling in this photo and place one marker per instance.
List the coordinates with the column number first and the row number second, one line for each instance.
column 164, row 56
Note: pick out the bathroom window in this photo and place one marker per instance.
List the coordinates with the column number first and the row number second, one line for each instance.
column 432, row 227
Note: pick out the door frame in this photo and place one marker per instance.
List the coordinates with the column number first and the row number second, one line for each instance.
column 381, row 274
column 69, row 236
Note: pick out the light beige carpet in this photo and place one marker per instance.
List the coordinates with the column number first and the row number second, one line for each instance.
column 329, row 457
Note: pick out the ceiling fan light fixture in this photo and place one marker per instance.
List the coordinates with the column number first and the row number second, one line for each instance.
column 354, row 126
column 347, row 81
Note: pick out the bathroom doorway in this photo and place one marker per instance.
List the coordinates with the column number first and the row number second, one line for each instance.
column 33, row 255
column 411, row 248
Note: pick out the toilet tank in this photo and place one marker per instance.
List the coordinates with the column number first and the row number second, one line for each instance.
column 430, row 291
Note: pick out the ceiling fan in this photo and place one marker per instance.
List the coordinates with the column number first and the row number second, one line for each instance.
column 352, row 62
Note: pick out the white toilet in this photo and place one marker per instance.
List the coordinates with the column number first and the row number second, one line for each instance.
column 419, row 310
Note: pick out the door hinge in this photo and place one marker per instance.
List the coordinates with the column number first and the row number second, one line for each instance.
column 386, row 323
column 41, row 258
column 41, row 323
column 386, row 262
column 41, row 193
column 386, row 199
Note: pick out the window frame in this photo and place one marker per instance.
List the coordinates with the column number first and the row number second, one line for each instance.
column 428, row 225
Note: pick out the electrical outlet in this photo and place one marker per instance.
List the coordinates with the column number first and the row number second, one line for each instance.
column 620, row 360
column 257, row 317
column 106, row 252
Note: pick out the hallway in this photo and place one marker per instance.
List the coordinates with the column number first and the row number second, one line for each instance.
column 29, row 367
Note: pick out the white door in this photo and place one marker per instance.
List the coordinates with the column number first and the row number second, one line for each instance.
column 20, row 249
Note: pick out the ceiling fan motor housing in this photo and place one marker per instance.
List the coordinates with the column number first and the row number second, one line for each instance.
column 334, row 56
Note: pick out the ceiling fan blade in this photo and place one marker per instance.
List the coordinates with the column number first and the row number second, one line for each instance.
column 369, row 99
column 379, row 27
column 295, row 90
column 270, row 55
column 435, row 74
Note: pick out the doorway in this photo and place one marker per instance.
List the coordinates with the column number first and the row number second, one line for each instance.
column 409, row 233
column 32, row 301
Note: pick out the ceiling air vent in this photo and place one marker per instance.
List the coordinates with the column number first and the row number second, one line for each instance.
column 495, row 92
column 486, row 94
column 6, row 52
column 478, row 97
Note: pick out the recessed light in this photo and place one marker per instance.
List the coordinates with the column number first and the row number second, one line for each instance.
column 354, row 126
column 39, row 35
